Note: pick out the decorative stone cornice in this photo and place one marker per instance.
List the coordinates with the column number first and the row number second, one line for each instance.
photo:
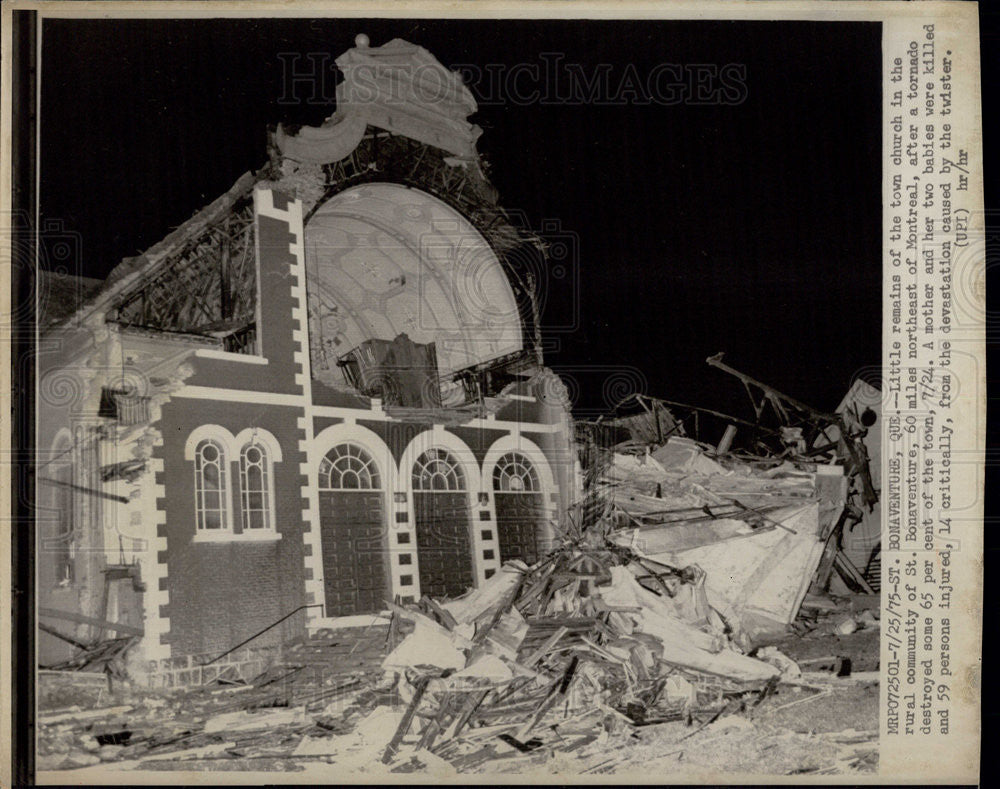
column 399, row 87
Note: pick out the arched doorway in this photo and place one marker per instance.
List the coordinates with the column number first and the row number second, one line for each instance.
column 520, row 507
column 352, row 530
column 441, row 508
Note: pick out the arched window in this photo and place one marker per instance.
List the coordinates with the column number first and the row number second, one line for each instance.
column 348, row 467
column 255, row 484
column 514, row 473
column 211, row 492
column 437, row 470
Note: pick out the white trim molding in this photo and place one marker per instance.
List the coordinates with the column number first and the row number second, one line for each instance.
column 155, row 624
column 216, row 433
column 229, row 356
column 523, row 446
column 217, row 535
column 240, row 396
column 231, row 455
column 260, row 436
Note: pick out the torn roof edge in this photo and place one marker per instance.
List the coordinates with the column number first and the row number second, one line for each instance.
column 130, row 269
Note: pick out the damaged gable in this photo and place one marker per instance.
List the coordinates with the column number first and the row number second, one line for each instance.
column 404, row 234
column 201, row 280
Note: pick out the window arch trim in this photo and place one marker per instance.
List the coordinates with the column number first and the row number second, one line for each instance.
column 437, row 470
column 349, row 460
column 514, row 472
column 262, row 437
column 217, row 433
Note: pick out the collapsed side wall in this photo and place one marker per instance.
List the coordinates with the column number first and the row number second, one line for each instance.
column 70, row 375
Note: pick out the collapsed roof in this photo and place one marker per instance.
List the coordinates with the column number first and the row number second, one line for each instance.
column 405, row 236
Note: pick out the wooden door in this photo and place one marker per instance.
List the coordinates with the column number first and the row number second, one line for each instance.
column 353, row 533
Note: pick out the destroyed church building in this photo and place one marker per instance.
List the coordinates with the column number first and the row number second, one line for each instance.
column 322, row 392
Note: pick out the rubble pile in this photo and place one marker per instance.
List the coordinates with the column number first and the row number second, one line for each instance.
column 591, row 638
column 543, row 659
column 318, row 688
column 756, row 527
column 594, row 648
column 684, row 599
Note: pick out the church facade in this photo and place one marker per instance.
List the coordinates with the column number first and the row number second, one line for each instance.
column 323, row 392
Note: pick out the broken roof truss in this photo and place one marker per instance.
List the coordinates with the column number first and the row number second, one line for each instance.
column 206, row 286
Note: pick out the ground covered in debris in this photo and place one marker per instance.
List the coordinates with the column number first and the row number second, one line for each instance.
column 355, row 701
column 681, row 619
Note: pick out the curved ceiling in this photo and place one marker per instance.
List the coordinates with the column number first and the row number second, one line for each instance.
column 384, row 259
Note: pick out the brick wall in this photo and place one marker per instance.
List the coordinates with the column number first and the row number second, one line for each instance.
column 223, row 592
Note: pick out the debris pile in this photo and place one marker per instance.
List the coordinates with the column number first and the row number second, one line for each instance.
column 687, row 588
column 323, row 687
column 594, row 648
column 592, row 642
column 107, row 656
column 593, row 638
column 756, row 527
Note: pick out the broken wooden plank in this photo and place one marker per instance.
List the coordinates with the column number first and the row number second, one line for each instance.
column 851, row 575
column 545, row 648
column 444, row 616
column 83, row 619
column 106, row 712
column 465, row 712
column 558, row 693
column 404, row 725
column 821, row 579
column 83, row 489
column 62, row 636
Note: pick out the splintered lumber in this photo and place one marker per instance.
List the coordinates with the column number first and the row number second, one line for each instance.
column 404, row 725
column 448, row 704
column 469, row 706
column 421, row 618
column 557, row 693
column 536, row 588
column 502, row 609
column 851, row 575
column 821, row 579
column 587, row 616
column 443, row 616
column 545, row 648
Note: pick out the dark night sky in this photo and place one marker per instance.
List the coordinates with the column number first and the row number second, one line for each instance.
column 753, row 229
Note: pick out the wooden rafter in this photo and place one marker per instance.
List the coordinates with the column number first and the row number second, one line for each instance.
column 208, row 285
